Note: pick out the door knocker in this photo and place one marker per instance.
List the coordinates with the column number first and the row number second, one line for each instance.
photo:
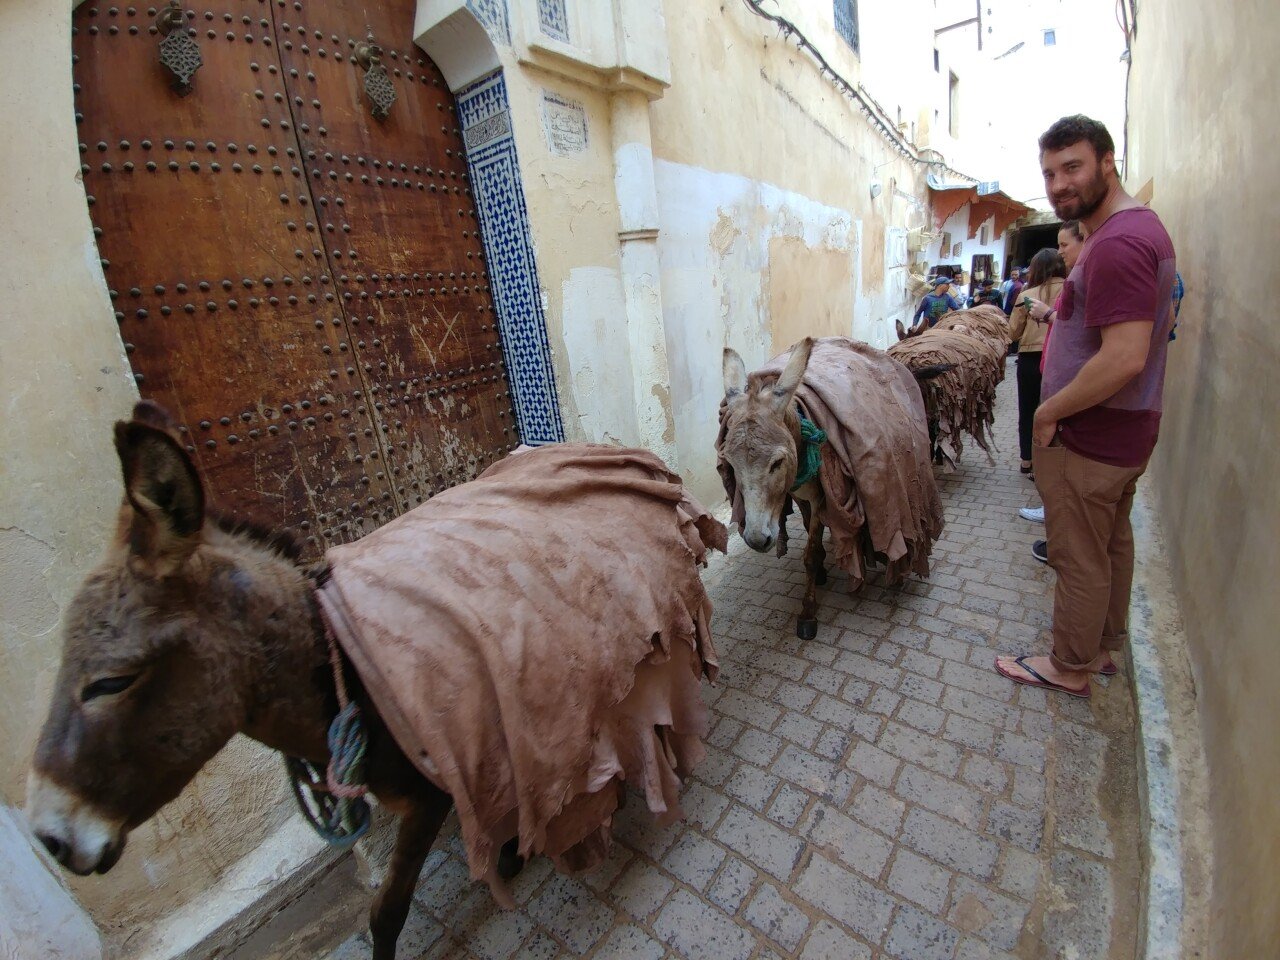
column 179, row 51
column 376, row 82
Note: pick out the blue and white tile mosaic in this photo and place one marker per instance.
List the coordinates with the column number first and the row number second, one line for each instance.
column 513, row 275
column 493, row 15
column 553, row 18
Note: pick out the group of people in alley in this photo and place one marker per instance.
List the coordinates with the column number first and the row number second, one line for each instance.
column 1092, row 321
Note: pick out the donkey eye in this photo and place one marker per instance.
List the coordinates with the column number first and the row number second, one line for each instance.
column 107, row 686
column 773, row 467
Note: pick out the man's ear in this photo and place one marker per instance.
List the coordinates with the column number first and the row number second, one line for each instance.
column 793, row 372
column 163, row 489
column 735, row 374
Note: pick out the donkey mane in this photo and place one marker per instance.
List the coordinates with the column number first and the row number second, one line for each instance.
column 283, row 543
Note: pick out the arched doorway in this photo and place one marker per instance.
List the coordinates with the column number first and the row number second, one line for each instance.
column 301, row 283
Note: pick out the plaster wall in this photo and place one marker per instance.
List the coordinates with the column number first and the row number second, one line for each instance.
column 768, row 230
column 1201, row 82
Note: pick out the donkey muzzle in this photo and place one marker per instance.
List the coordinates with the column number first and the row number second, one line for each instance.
column 77, row 835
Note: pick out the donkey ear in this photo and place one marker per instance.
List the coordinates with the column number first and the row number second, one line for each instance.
column 161, row 484
column 902, row 331
column 735, row 374
column 152, row 414
column 793, row 372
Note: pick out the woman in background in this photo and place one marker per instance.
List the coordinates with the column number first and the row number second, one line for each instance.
column 1047, row 274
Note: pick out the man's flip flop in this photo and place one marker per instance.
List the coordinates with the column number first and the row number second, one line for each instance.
column 1040, row 681
column 1110, row 670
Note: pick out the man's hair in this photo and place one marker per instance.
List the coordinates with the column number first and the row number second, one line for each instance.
column 1071, row 130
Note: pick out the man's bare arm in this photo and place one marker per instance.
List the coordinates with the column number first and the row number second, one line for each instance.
column 1121, row 357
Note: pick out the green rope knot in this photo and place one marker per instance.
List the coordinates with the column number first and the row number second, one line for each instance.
column 337, row 810
column 810, row 452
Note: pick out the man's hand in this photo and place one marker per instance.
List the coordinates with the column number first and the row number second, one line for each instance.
column 1043, row 427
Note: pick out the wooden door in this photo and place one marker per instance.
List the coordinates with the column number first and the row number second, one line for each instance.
column 301, row 284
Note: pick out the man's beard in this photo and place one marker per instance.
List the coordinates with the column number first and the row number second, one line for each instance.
column 1085, row 203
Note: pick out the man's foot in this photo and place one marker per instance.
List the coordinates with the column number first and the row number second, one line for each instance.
column 1040, row 672
column 1032, row 513
column 1025, row 466
column 1108, row 668
column 1040, row 550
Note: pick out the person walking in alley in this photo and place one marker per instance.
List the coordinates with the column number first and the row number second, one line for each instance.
column 1014, row 291
column 1048, row 271
column 1101, row 402
column 935, row 305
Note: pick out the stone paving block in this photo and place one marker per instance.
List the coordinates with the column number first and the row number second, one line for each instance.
column 694, row 859
column 701, row 933
column 833, row 744
column 1016, row 825
column 498, row 935
column 843, row 839
column 844, row 897
column 941, row 795
column 730, row 888
column 972, row 948
column 793, row 696
column 725, row 732
column 752, row 786
column 949, row 844
column 920, row 688
column 1083, row 829
column 922, row 716
column 887, row 652
column 788, row 806
column 760, row 841
column 1029, row 788
column 1020, row 750
column 986, row 683
column 879, row 809
column 922, row 664
column 992, row 916
column 919, row 880
column 829, row 942
column 443, row 888
column 569, row 910
column 823, row 654
column 758, row 748
column 912, row 745
column 973, row 734
column 777, row 919
column 629, row 942
column 917, row 936
column 855, row 691
column 912, row 637
column 825, row 679
column 1020, row 873
column 977, row 707
column 865, row 668
column 799, row 729
column 702, row 806
column 641, row 889
column 873, row 763
column 985, row 773
column 883, row 701
column 830, row 710
column 748, row 709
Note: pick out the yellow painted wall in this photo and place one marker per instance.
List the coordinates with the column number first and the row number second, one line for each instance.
column 1203, row 81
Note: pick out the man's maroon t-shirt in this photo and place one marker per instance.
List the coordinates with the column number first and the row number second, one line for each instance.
column 1125, row 272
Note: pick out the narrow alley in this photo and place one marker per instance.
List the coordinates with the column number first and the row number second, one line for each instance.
column 877, row 792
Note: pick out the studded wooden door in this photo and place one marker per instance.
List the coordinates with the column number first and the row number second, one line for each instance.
column 302, row 284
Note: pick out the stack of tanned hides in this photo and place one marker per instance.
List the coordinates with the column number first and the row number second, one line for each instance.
column 961, row 400
column 880, row 498
column 536, row 638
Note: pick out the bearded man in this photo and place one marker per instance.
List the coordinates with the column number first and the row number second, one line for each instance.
column 1100, row 405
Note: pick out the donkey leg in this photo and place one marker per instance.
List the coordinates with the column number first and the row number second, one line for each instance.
column 418, row 829
column 815, row 556
column 820, row 572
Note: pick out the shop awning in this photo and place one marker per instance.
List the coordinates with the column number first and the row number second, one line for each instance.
column 951, row 196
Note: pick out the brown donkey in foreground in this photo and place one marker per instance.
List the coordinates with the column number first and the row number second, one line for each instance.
column 188, row 634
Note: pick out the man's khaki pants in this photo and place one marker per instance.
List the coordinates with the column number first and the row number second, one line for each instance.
column 1086, row 518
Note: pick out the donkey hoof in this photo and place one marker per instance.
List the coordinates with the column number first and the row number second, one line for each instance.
column 510, row 863
column 820, row 577
column 807, row 629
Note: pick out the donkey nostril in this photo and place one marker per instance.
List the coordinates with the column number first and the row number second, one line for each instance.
column 57, row 849
column 768, row 542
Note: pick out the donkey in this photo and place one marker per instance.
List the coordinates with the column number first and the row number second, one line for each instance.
column 760, row 444
column 190, row 631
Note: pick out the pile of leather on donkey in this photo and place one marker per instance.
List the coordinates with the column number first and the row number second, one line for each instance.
column 959, row 362
column 838, row 427
column 522, row 647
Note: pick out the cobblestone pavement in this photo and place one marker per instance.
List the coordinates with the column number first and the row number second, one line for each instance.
column 876, row 792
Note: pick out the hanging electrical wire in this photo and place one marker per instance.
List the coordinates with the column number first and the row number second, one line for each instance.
column 866, row 104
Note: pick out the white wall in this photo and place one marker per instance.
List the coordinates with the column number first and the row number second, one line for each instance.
column 958, row 226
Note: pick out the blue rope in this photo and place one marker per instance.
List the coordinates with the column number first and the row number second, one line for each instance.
column 810, row 452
